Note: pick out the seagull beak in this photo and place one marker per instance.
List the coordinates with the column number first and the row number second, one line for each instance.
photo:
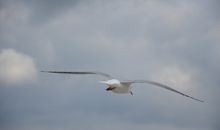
column 110, row 88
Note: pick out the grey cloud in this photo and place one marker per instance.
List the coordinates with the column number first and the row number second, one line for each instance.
column 42, row 10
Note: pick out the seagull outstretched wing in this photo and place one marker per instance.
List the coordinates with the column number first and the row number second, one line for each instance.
column 159, row 85
column 81, row 72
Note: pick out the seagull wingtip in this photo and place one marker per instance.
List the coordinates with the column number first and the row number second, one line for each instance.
column 43, row 71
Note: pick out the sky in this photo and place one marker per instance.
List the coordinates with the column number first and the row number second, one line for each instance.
column 176, row 43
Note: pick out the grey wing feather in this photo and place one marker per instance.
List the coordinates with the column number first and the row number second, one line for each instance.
column 79, row 72
column 160, row 85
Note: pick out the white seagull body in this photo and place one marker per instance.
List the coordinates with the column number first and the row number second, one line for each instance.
column 118, row 86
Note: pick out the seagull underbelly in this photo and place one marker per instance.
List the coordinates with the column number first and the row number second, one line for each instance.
column 120, row 90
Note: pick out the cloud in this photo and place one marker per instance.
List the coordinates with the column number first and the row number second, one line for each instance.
column 16, row 67
column 175, row 76
column 176, row 43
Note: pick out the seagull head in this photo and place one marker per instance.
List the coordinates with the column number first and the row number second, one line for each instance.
column 112, row 84
column 115, row 85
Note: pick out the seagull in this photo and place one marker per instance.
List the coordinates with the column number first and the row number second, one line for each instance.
column 121, row 87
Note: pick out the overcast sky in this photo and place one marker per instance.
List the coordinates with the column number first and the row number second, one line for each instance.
column 173, row 42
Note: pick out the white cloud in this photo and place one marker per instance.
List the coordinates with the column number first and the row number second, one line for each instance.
column 16, row 67
column 175, row 76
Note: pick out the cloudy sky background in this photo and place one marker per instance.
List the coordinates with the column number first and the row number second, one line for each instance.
column 173, row 42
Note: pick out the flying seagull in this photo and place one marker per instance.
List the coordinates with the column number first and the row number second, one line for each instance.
column 120, row 87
